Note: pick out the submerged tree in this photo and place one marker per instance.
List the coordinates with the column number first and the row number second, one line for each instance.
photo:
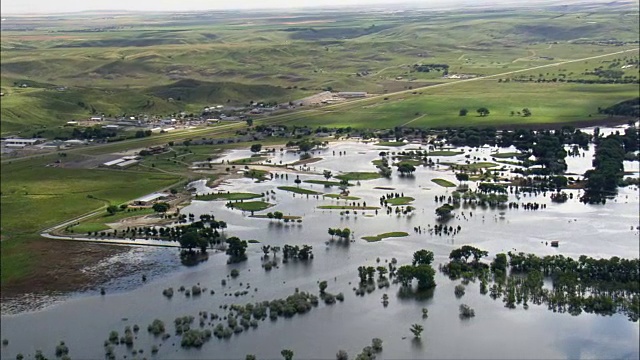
column 416, row 329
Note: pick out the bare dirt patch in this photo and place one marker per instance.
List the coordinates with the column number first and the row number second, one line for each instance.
column 61, row 268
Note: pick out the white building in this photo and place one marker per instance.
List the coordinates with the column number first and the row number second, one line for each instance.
column 18, row 142
column 149, row 199
column 352, row 94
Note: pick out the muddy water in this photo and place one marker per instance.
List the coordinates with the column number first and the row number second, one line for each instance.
column 84, row 322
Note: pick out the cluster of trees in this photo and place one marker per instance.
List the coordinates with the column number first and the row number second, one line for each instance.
column 296, row 252
column 431, row 67
column 603, row 180
column 602, row 286
column 459, row 264
column 405, row 168
column 96, row 132
column 482, row 111
column 420, row 269
column 236, row 249
column 304, row 145
column 340, row 233
column 624, row 108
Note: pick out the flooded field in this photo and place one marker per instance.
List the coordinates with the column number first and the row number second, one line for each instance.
column 84, row 321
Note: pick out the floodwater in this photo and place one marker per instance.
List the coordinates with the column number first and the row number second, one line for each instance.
column 84, row 322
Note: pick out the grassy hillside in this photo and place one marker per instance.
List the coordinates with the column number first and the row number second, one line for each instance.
column 136, row 62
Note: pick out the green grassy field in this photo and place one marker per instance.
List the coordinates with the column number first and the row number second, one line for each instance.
column 387, row 235
column 35, row 197
column 506, row 155
column 403, row 200
column 74, row 71
column 325, row 182
column 444, row 153
column 347, row 207
column 298, row 190
column 228, row 196
column 341, row 197
column 99, row 223
column 444, row 183
column 548, row 103
column 356, row 176
column 251, row 205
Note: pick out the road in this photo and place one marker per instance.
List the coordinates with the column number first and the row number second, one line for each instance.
column 291, row 116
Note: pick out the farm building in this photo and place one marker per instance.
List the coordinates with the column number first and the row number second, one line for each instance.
column 126, row 164
column 149, row 199
column 352, row 94
column 18, row 142
column 113, row 162
column 74, row 142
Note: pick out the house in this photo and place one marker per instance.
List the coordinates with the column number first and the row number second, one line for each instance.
column 96, row 118
column 352, row 94
column 555, row 243
column 149, row 199
column 111, row 127
column 72, row 123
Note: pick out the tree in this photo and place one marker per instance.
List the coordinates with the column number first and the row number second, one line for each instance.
column 189, row 240
column 287, row 354
column 425, row 275
column 160, row 207
column 297, row 180
column 483, row 111
column 404, row 274
column 406, row 169
column 249, row 122
column 266, row 249
column 323, row 286
column 275, row 250
column 444, row 212
column 416, row 329
column 526, row 112
column 422, row 257
column 462, row 177
column 327, row 174
column 256, row 148
column 342, row 355
column 463, row 112
column 236, row 249
column 112, row 209
column 278, row 215
column 466, row 311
